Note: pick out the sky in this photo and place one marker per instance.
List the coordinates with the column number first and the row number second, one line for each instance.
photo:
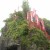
column 8, row 6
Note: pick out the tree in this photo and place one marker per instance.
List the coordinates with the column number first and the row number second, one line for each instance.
column 16, row 30
column 47, row 25
column 25, row 7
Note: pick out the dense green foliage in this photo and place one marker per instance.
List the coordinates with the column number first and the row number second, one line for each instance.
column 16, row 29
column 25, row 7
column 47, row 25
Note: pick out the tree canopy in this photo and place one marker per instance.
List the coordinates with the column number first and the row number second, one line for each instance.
column 16, row 30
column 47, row 25
column 25, row 7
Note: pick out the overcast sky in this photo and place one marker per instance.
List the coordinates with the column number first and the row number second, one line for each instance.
column 8, row 6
